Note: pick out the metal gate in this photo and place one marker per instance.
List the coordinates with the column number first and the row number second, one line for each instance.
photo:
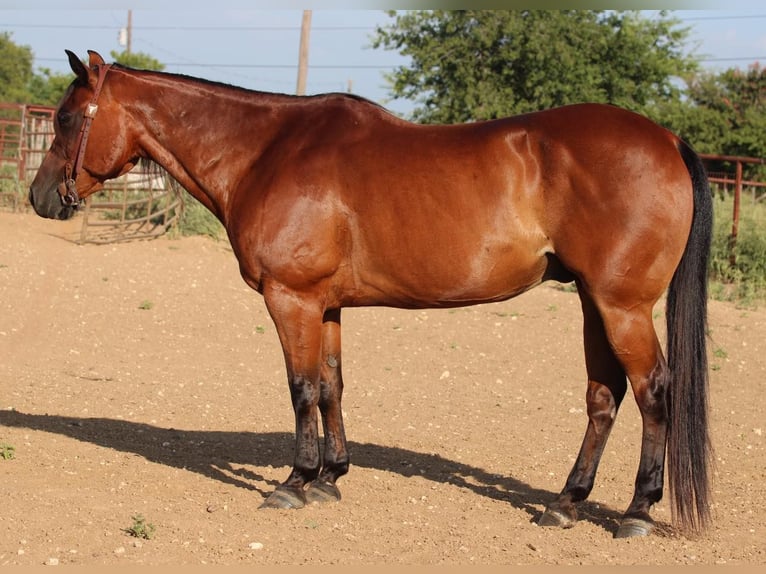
column 142, row 204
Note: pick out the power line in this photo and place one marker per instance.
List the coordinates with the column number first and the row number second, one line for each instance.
column 731, row 17
column 734, row 59
column 168, row 27
column 263, row 66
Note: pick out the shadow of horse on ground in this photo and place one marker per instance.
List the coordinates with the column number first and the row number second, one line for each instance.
column 216, row 454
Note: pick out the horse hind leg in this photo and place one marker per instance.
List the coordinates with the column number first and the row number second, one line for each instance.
column 607, row 384
column 649, row 378
column 634, row 343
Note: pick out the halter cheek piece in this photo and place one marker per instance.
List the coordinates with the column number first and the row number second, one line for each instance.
column 68, row 189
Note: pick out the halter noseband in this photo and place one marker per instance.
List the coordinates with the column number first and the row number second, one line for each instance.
column 68, row 189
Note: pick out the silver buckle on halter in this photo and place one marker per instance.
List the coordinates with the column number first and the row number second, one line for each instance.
column 70, row 197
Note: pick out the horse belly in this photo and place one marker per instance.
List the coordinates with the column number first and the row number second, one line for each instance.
column 444, row 274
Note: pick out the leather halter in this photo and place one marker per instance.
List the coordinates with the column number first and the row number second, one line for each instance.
column 68, row 188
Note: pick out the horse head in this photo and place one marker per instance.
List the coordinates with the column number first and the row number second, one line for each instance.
column 89, row 144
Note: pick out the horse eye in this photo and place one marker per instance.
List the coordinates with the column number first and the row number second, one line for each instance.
column 64, row 117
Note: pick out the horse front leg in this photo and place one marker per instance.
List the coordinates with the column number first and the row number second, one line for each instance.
column 298, row 320
column 335, row 460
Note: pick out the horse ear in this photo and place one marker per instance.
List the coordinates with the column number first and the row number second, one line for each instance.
column 95, row 59
column 77, row 66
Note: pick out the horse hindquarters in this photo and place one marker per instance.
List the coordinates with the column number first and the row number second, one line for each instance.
column 623, row 287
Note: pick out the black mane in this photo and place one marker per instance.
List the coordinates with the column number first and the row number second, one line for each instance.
column 215, row 84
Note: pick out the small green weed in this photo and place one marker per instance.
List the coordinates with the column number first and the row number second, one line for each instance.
column 7, row 452
column 140, row 528
column 146, row 305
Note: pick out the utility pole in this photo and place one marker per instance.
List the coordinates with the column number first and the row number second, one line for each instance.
column 303, row 53
column 130, row 30
column 125, row 36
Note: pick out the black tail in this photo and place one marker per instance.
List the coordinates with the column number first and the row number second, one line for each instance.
column 688, row 446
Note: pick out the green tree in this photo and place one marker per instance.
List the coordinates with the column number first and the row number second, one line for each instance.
column 724, row 113
column 46, row 87
column 15, row 70
column 701, row 125
column 137, row 60
column 476, row 64
column 741, row 101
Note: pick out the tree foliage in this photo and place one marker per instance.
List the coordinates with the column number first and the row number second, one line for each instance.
column 15, row 70
column 723, row 113
column 20, row 84
column 46, row 88
column 738, row 99
column 138, row 60
column 481, row 64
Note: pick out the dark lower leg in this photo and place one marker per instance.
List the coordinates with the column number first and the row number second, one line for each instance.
column 304, row 394
column 291, row 494
column 606, row 388
column 603, row 404
column 650, row 396
column 336, row 460
column 632, row 334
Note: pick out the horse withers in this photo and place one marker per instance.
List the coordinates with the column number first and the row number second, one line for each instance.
column 330, row 201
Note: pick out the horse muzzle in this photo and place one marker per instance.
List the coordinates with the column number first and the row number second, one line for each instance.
column 58, row 203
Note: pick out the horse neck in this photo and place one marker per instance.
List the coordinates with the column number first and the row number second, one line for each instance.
column 207, row 136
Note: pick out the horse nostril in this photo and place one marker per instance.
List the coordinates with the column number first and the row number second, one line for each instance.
column 65, row 213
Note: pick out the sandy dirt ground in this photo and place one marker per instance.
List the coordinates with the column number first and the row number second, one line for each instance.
column 145, row 379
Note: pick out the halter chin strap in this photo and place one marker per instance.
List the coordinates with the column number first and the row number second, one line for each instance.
column 68, row 188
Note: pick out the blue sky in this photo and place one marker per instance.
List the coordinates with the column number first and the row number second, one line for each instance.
column 258, row 49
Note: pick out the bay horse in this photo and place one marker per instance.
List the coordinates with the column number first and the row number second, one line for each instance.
column 329, row 201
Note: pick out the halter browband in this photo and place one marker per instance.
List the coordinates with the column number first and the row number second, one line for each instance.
column 68, row 188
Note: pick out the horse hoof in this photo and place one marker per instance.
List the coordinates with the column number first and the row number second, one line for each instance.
column 320, row 492
column 630, row 527
column 285, row 498
column 556, row 518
